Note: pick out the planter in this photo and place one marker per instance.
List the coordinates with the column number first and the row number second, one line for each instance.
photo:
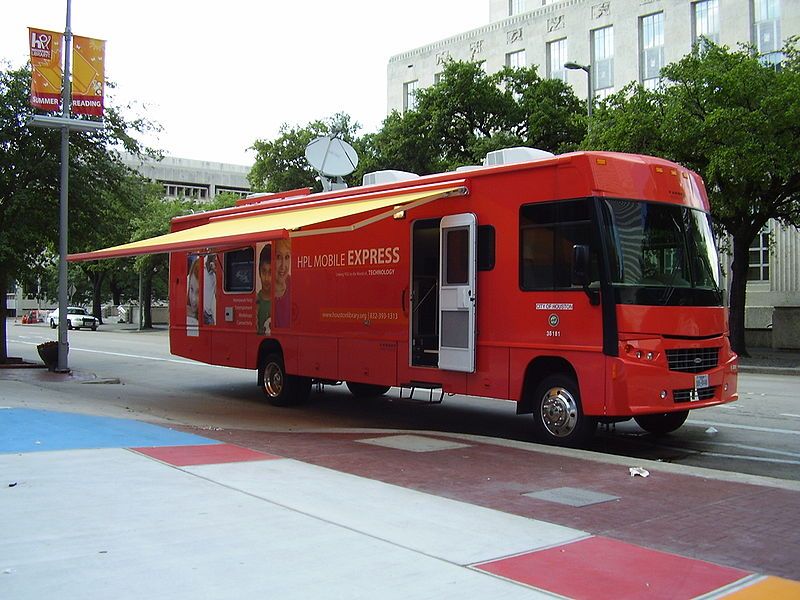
column 48, row 351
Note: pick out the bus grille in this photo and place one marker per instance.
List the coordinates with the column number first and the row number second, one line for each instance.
column 693, row 360
column 691, row 395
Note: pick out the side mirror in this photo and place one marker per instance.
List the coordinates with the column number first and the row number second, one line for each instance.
column 580, row 272
column 580, row 265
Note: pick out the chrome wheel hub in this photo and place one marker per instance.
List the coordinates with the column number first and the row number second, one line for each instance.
column 273, row 380
column 559, row 412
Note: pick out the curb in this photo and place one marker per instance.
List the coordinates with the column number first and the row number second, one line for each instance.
column 791, row 371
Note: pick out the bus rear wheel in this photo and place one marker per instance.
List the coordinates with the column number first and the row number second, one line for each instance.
column 663, row 423
column 557, row 413
column 282, row 389
column 366, row 390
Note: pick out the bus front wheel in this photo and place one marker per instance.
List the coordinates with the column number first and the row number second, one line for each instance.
column 663, row 423
column 557, row 414
column 282, row 389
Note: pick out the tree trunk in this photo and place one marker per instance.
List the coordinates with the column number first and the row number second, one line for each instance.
column 116, row 292
column 97, row 287
column 741, row 260
column 3, row 339
column 147, row 299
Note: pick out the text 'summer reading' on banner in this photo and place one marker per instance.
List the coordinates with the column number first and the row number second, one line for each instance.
column 46, row 72
column 88, row 76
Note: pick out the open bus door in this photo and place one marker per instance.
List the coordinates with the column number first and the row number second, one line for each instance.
column 457, row 251
column 443, row 276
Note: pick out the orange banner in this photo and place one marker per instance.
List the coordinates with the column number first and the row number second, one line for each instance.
column 88, row 75
column 46, row 73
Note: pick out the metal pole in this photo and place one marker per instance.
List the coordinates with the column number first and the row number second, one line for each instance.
column 63, row 343
column 591, row 89
column 141, row 302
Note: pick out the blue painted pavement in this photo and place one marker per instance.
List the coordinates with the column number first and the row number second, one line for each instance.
column 25, row 430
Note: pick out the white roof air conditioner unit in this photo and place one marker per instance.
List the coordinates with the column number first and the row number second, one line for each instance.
column 388, row 176
column 508, row 156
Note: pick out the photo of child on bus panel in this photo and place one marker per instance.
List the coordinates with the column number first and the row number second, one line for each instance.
column 264, row 295
column 210, row 290
column 282, row 290
column 193, row 292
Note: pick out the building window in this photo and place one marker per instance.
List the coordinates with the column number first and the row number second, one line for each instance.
column 603, row 61
column 410, row 95
column 173, row 190
column 652, row 53
column 437, row 77
column 705, row 17
column 758, row 266
column 767, row 30
column 236, row 192
column 516, row 60
column 556, row 57
column 516, row 7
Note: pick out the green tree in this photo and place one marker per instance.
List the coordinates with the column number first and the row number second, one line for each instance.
column 546, row 113
column 735, row 120
column 281, row 164
column 468, row 113
column 153, row 220
column 29, row 181
column 109, row 223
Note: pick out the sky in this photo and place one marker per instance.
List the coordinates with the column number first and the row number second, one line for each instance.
column 219, row 75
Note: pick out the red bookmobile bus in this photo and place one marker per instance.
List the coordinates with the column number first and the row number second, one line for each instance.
column 583, row 286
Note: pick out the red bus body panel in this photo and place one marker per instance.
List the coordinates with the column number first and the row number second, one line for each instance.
column 350, row 297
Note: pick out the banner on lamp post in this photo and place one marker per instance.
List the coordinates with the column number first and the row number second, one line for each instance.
column 88, row 75
column 46, row 71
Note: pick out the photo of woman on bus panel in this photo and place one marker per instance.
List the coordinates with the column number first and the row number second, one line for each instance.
column 282, row 290
column 193, row 295
column 264, row 292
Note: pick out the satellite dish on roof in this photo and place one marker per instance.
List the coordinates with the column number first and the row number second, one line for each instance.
column 332, row 157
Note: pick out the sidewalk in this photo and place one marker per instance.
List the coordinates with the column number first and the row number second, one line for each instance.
column 96, row 507
column 769, row 361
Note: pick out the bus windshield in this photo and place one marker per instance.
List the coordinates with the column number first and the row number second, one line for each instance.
column 661, row 254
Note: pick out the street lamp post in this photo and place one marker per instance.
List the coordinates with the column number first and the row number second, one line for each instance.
column 573, row 66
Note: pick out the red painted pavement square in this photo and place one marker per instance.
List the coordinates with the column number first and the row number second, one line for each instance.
column 206, row 454
column 600, row 568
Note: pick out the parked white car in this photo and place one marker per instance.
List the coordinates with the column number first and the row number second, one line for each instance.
column 76, row 318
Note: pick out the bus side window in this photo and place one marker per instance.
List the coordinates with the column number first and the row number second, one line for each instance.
column 238, row 271
column 486, row 243
column 548, row 233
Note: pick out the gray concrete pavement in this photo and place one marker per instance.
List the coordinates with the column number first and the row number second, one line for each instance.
column 96, row 507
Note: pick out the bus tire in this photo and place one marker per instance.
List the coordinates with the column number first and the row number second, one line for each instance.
column 279, row 388
column 662, row 423
column 366, row 390
column 557, row 413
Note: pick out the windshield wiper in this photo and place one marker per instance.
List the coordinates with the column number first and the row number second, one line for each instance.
column 667, row 295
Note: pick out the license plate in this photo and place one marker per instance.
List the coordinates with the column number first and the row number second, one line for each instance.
column 700, row 381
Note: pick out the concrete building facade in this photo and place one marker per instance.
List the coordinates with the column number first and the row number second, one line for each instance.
column 199, row 179
column 624, row 41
